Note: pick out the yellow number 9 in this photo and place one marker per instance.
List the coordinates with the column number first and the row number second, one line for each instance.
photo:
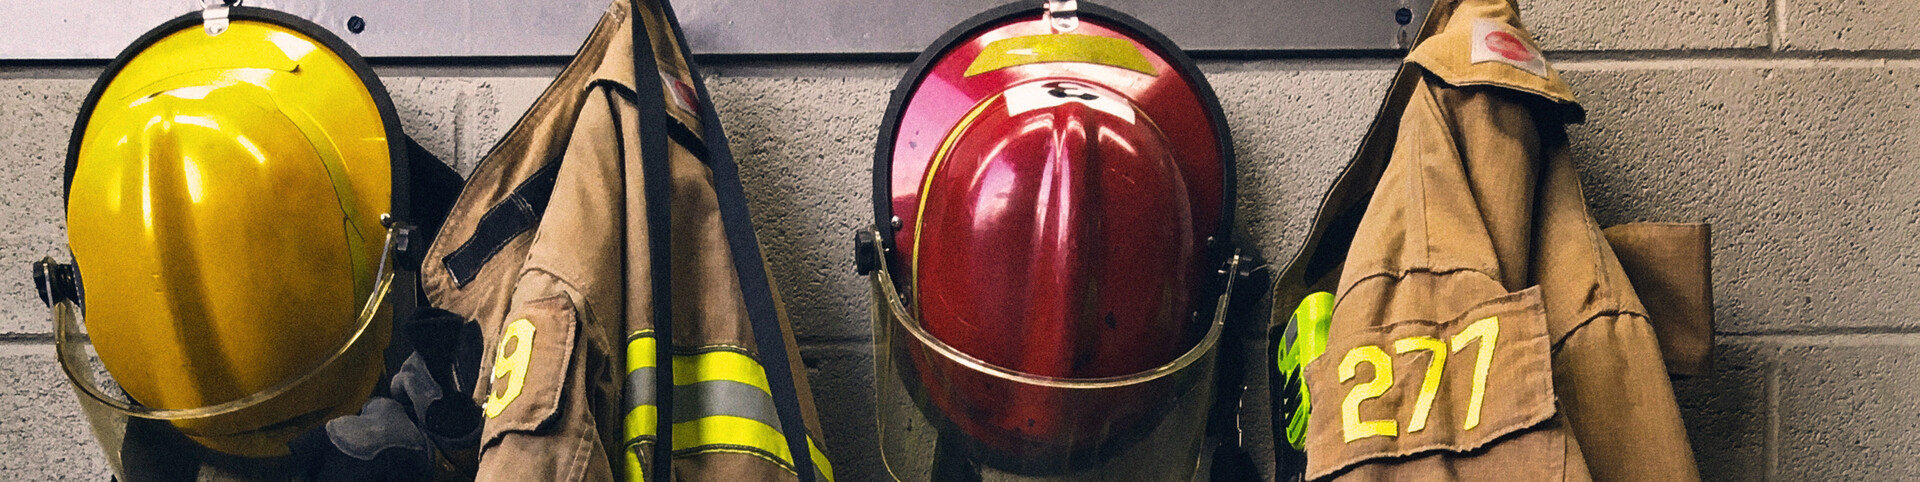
column 510, row 362
column 1351, row 426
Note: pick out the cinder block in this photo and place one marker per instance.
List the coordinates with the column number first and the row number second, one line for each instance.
column 805, row 150
column 1849, row 25
column 21, row 311
column 429, row 110
column 1806, row 172
column 495, row 105
column 1656, row 25
column 841, row 376
column 36, row 122
column 1728, row 412
column 1847, row 408
column 1293, row 130
column 44, row 436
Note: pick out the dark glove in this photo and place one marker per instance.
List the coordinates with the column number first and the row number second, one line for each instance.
column 436, row 383
column 449, row 419
column 379, row 444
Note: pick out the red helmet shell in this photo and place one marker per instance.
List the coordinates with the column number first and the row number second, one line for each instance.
column 1050, row 196
column 946, row 94
column 1055, row 236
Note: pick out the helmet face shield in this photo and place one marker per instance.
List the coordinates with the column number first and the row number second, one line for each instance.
column 939, row 406
column 235, row 204
column 230, row 427
column 1051, row 204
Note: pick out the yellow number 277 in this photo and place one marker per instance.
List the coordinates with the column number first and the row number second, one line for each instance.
column 1486, row 331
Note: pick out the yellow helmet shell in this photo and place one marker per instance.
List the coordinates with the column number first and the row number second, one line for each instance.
column 223, row 208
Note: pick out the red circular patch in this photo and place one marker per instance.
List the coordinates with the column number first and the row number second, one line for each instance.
column 1508, row 46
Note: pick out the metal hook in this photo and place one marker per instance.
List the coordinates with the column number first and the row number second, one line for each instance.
column 213, row 15
column 1063, row 15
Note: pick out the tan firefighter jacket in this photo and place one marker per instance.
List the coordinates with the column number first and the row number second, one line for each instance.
column 1484, row 327
column 609, row 220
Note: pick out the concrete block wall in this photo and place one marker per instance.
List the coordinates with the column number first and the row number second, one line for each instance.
column 1791, row 125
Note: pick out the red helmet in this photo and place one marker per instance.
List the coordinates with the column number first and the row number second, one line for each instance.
column 1049, row 197
column 1055, row 237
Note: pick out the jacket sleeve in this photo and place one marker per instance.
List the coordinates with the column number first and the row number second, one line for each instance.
column 1609, row 375
column 549, row 373
column 1608, row 369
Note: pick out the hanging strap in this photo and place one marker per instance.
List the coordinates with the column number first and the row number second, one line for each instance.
column 659, row 196
column 755, row 289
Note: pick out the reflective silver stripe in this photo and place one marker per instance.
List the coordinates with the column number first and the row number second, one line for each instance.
column 720, row 397
column 639, row 390
column 724, row 382
column 703, row 399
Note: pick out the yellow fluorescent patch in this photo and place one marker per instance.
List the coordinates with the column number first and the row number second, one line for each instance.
column 640, row 353
column 1486, row 331
column 510, row 362
column 719, row 365
column 820, row 459
column 731, row 430
column 642, row 420
column 1033, row 49
column 704, row 367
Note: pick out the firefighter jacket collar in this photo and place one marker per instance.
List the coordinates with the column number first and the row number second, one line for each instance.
column 1481, row 42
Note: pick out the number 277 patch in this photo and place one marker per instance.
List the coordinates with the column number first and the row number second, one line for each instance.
column 1416, row 385
column 1486, row 331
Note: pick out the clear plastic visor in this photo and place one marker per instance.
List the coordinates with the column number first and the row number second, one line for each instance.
column 946, row 415
column 143, row 442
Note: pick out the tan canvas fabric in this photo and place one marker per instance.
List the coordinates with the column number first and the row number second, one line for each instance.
column 1668, row 263
column 580, row 278
column 1463, row 205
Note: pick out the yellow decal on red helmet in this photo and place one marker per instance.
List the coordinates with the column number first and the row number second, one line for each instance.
column 1033, row 49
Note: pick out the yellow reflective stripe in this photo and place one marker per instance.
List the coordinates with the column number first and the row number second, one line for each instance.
column 719, row 365
column 642, row 421
column 820, row 460
column 702, row 367
column 721, row 430
column 710, row 429
column 640, row 351
column 635, row 473
column 731, row 430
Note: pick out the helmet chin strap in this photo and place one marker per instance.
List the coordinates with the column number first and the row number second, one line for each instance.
column 1063, row 15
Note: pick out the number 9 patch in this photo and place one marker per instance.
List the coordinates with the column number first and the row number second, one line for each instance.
column 527, row 366
column 510, row 365
column 1413, row 386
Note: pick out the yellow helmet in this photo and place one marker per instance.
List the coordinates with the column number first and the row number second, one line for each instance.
column 230, row 186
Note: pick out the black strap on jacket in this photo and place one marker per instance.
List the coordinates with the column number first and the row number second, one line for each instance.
column 654, row 168
column 755, row 288
column 518, row 213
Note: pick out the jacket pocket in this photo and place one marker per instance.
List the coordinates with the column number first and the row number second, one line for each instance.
column 1669, row 266
column 531, row 356
column 1448, row 388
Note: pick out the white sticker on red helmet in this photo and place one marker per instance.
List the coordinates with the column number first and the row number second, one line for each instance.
column 1043, row 94
column 1498, row 42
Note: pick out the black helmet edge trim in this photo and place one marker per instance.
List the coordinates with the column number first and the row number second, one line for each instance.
column 917, row 71
column 399, row 199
